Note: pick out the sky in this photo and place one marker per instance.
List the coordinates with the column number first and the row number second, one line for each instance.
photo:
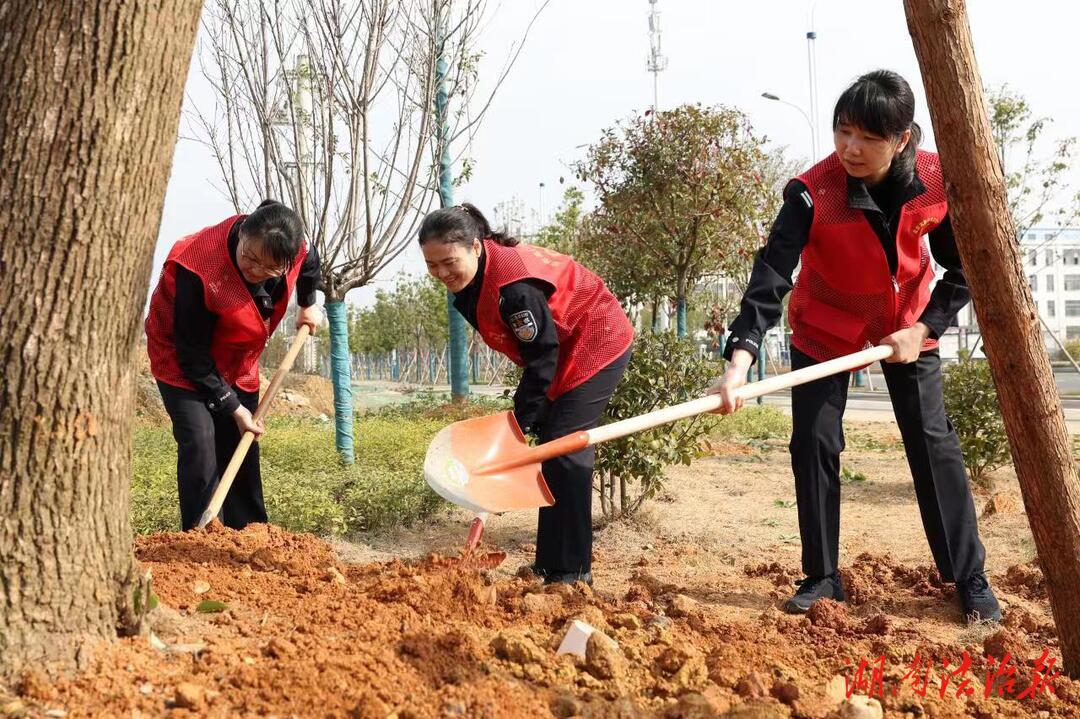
column 583, row 68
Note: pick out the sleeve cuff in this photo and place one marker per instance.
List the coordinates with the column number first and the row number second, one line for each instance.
column 735, row 341
column 223, row 404
column 529, row 417
column 305, row 300
column 936, row 322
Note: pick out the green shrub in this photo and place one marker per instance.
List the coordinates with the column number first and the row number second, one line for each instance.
column 1073, row 348
column 305, row 486
column 752, row 423
column 437, row 406
column 663, row 371
column 972, row 405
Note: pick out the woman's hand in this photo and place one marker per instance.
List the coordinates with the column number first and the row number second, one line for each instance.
column 310, row 316
column 246, row 423
column 732, row 379
column 907, row 343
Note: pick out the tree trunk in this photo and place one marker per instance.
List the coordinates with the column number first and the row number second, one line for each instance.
column 987, row 241
column 603, row 495
column 337, row 318
column 88, row 122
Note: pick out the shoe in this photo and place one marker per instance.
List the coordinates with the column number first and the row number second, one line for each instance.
column 812, row 589
column 978, row 600
column 566, row 577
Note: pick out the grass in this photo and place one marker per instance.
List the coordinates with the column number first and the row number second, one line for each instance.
column 850, row 476
column 306, row 488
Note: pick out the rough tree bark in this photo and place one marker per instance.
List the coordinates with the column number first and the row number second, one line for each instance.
column 88, row 121
column 1009, row 320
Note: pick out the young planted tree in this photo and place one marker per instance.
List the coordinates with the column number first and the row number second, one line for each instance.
column 330, row 106
column 562, row 232
column 91, row 100
column 681, row 196
column 986, row 237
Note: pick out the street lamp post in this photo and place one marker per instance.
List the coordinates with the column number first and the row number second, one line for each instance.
column 542, row 204
column 809, row 122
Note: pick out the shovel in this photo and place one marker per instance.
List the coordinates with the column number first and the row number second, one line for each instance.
column 486, row 465
column 229, row 475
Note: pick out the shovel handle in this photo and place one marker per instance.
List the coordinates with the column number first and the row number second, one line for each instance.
column 712, row 402
column 241, row 451
column 578, row 441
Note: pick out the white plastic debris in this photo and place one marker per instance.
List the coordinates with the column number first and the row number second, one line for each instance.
column 577, row 637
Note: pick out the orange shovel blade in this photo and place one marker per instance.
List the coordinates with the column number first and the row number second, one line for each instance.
column 458, row 450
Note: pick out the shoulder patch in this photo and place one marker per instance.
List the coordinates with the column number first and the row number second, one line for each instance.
column 524, row 325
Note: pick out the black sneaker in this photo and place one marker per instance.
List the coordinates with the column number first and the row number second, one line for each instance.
column 812, row 589
column 978, row 600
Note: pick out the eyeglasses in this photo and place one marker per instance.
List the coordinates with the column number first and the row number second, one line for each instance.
column 273, row 272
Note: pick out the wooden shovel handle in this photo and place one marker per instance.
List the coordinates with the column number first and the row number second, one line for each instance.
column 712, row 402
column 580, row 440
column 245, row 441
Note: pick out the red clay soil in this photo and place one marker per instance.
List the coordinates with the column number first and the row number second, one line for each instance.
column 304, row 635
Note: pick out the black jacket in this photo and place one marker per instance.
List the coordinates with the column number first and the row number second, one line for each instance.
column 540, row 354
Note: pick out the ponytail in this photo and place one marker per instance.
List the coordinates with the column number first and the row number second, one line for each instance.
column 484, row 227
column 903, row 164
column 461, row 224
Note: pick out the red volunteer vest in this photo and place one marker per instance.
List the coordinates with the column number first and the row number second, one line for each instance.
column 592, row 327
column 845, row 298
column 240, row 334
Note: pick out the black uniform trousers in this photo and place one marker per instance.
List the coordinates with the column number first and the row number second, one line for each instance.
column 205, row 443
column 933, row 454
column 564, row 530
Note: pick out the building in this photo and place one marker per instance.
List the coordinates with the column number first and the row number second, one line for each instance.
column 1051, row 258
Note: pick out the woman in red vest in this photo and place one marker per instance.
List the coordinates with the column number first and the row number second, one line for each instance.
column 856, row 220
column 559, row 322
column 221, row 294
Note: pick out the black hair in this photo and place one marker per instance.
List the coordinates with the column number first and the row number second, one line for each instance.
column 882, row 102
column 460, row 224
column 277, row 229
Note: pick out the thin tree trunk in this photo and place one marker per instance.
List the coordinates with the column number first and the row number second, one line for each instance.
column 88, row 122
column 603, row 496
column 987, row 241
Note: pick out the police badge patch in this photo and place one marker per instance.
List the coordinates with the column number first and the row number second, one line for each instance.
column 524, row 325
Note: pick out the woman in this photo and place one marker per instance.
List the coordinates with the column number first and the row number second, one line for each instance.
column 559, row 322
column 222, row 292
column 856, row 220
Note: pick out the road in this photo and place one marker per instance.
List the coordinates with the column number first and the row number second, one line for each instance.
column 875, row 407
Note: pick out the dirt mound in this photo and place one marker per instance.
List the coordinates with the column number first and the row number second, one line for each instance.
column 874, row 577
column 304, row 395
column 264, row 622
column 148, row 406
column 1026, row 580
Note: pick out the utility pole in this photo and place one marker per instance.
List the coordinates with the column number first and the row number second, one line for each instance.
column 458, row 350
column 811, row 68
column 657, row 63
